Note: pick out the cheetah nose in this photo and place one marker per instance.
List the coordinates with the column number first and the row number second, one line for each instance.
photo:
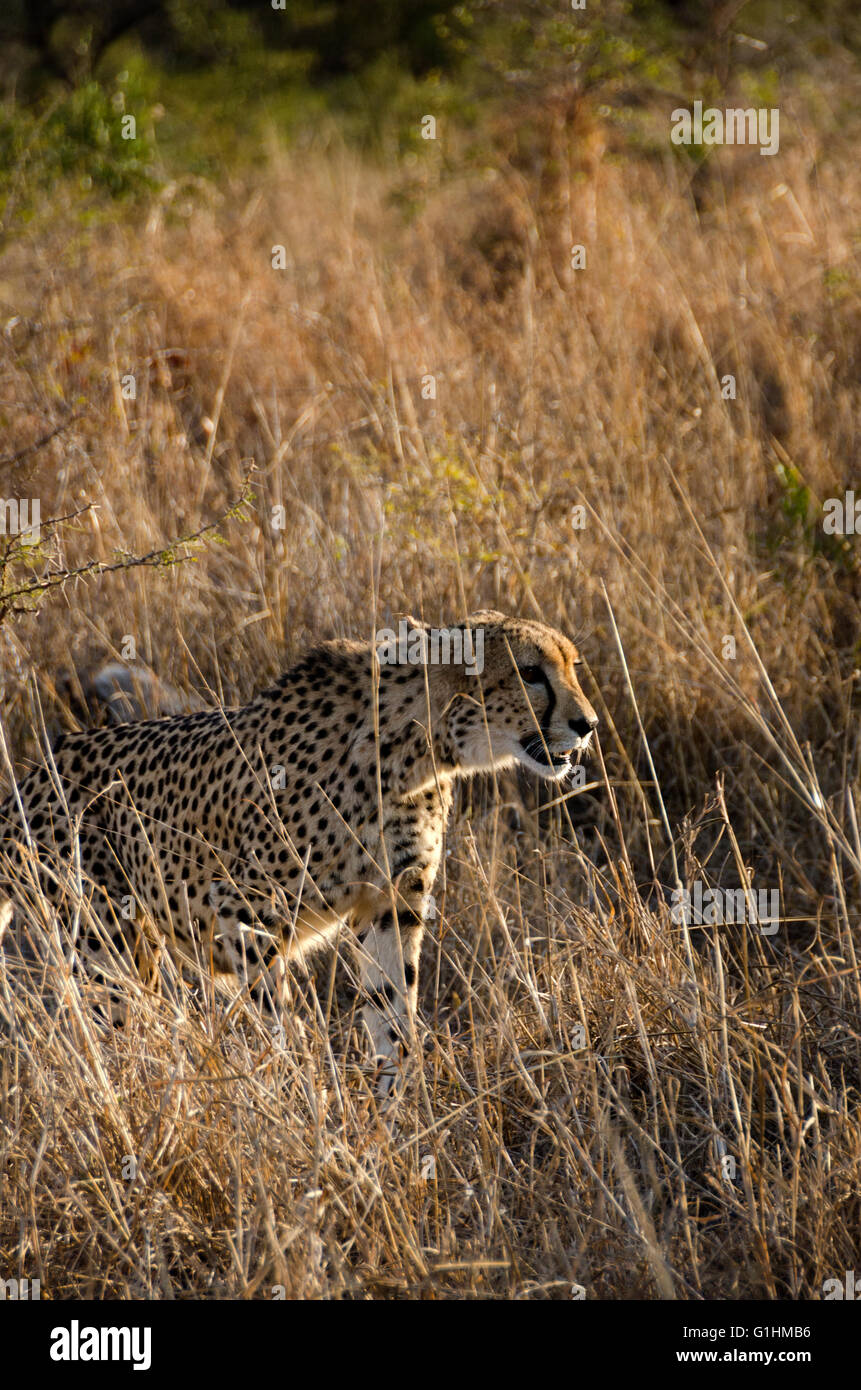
column 582, row 726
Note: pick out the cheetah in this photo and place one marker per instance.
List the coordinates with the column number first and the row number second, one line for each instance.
column 248, row 836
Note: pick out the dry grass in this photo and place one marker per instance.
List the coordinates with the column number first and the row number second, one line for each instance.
column 529, row 1157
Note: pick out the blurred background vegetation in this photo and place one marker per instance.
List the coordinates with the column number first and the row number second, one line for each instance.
column 210, row 85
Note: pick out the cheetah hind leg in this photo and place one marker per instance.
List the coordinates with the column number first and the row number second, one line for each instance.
column 131, row 947
column 103, row 945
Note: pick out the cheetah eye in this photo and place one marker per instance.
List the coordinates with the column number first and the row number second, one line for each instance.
column 531, row 675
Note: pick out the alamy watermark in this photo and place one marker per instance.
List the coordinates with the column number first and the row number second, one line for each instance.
column 707, row 906
column 435, row 646
column 842, row 515
column 848, row 1287
column 21, row 517
column 77, row 1343
column 735, row 126
column 25, row 1289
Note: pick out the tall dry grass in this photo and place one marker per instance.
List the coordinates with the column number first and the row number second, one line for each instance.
column 196, row 1154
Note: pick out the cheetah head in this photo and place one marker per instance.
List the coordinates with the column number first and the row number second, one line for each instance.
column 521, row 702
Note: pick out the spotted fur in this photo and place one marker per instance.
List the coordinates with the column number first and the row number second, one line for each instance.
column 246, row 836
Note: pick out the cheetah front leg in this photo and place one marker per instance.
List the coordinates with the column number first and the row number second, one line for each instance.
column 388, row 965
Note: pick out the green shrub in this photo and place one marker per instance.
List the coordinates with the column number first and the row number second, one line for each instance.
column 78, row 137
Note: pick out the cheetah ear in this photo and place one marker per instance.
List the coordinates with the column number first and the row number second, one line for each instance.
column 416, row 623
column 485, row 615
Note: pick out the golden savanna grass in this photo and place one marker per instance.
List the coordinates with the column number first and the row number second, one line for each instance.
column 588, row 1064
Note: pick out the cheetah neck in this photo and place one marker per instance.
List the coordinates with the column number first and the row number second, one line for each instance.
column 416, row 726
